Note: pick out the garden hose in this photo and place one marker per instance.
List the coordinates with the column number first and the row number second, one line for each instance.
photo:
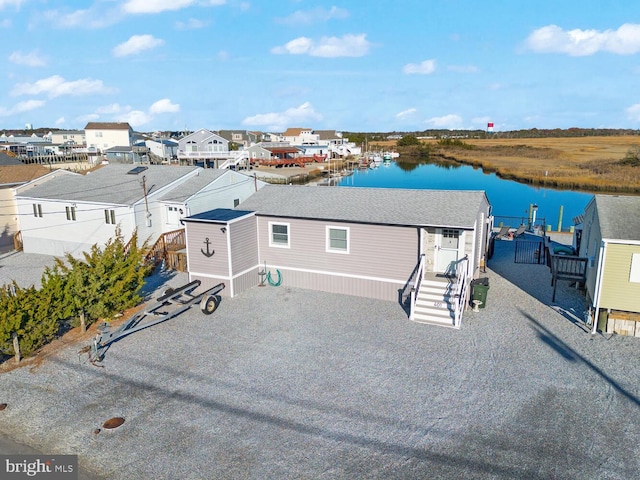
column 277, row 282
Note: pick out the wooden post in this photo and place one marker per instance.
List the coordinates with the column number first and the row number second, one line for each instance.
column 16, row 347
column 83, row 324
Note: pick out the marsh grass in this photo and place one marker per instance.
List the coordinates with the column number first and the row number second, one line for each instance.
column 597, row 164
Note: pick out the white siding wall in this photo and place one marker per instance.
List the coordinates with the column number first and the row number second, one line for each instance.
column 222, row 193
column 53, row 234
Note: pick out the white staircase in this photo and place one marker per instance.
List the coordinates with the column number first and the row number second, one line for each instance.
column 435, row 303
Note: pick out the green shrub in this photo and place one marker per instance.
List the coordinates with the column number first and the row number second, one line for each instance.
column 108, row 280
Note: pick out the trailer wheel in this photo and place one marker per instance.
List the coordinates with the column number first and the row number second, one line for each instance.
column 208, row 304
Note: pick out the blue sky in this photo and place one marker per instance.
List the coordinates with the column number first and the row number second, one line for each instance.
column 346, row 65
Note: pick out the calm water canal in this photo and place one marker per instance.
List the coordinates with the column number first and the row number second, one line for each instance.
column 508, row 198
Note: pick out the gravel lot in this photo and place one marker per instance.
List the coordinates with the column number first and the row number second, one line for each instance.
column 288, row 383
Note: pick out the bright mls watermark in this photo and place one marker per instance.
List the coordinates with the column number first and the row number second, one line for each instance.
column 50, row 467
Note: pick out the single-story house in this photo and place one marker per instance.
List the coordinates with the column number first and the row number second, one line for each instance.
column 610, row 239
column 372, row 242
column 12, row 176
column 70, row 213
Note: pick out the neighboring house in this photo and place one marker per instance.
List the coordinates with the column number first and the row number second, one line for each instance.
column 369, row 242
column 260, row 151
column 104, row 135
column 122, row 154
column 610, row 239
column 241, row 138
column 12, row 176
column 300, row 136
column 165, row 149
column 337, row 145
column 71, row 213
column 68, row 137
column 211, row 188
column 203, row 147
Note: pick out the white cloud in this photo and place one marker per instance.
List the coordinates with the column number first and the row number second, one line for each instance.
column 155, row 6
column 164, row 106
column 114, row 108
column 135, row 118
column 447, row 121
column 633, row 112
column 10, row 3
column 60, row 121
column 5, row 23
column 191, row 24
column 99, row 15
column 31, row 59
column 91, row 117
column 406, row 113
column 463, row 68
column 158, row 6
column 21, row 107
column 553, row 39
column 280, row 121
column 423, row 68
column 307, row 17
column 328, row 47
column 137, row 44
column 57, row 86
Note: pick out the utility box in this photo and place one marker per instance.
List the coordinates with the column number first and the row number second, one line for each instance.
column 479, row 289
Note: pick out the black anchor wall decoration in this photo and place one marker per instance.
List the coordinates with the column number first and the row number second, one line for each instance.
column 208, row 253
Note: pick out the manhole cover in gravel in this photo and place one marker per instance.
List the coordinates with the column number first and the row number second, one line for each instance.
column 114, row 422
column 3, row 406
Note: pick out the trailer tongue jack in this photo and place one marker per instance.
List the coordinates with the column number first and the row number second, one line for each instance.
column 181, row 298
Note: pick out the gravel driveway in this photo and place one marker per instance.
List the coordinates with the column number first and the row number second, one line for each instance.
column 289, row 383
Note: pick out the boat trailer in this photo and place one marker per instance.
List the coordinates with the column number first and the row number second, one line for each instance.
column 181, row 297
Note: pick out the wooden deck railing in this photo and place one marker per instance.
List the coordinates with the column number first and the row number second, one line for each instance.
column 167, row 248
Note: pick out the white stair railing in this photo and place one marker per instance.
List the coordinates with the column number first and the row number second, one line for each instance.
column 462, row 286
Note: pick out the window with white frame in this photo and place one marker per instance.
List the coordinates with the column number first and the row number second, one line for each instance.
column 110, row 217
column 37, row 210
column 71, row 213
column 279, row 235
column 337, row 239
column 634, row 274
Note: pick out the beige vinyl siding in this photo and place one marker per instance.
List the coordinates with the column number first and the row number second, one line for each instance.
column 617, row 292
column 377, row 255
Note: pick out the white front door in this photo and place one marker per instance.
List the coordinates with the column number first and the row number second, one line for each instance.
column 447, row 250
column 173, row 215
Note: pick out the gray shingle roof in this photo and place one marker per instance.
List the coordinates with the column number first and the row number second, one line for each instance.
column 390, row 206
column 619, row 216
column 110, row 184
column 193, row 186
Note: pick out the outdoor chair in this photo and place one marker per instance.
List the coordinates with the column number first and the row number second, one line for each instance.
column 520, row 231
column 503, row 233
